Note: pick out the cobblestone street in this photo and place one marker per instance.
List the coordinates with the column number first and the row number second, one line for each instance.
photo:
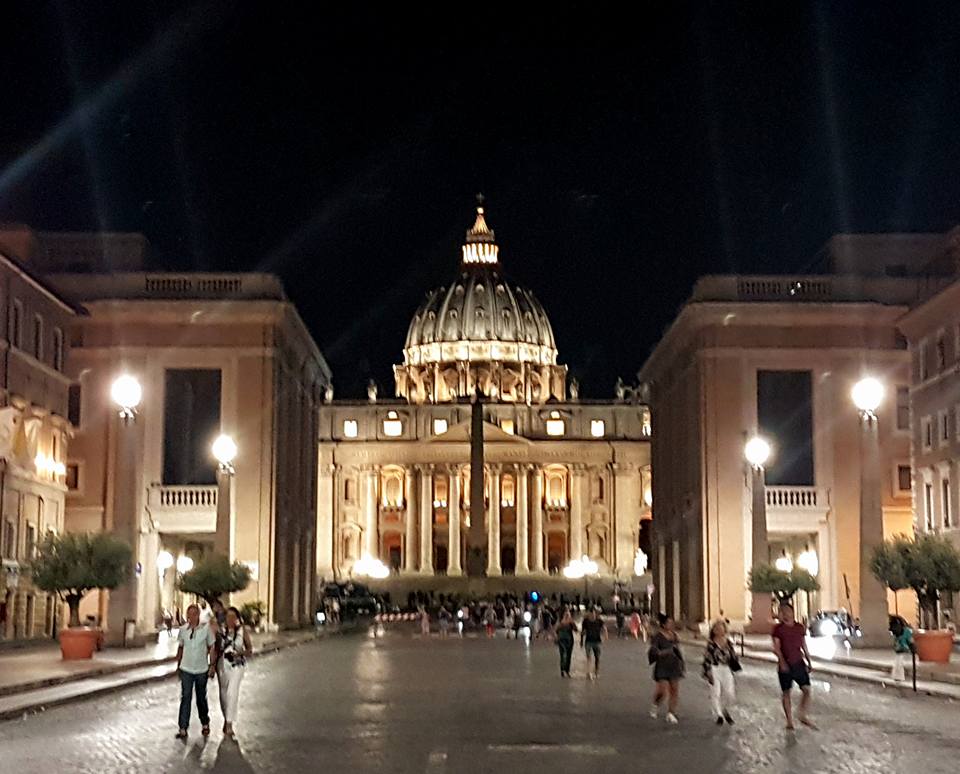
column 399, row 704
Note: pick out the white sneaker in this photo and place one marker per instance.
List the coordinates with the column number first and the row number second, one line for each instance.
column 672, row 719
column 655, row 712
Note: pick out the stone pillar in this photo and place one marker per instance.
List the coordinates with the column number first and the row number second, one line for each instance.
column 453, row 516
column 371, row 541
column 536, row 520
column 576, row 512
column 410, row 522
column 426, row 520
column 523, row 514
column 493, row 524
column 874, row 621
column 223, row 539
column 626, row 504
column 327, row 491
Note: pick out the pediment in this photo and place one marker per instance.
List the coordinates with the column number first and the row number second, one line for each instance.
column 460, row 433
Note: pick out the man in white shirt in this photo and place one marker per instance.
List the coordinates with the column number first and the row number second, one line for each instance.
column 205, row 613
column 196, row 661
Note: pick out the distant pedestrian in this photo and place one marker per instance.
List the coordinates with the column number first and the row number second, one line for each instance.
column 793, row 664
column 635, row 625
column 489, row 621
column 196, row 662
column 444, row 617
column 902, row 646
column 233, row 648
column 424, row 622
column 565, row 635
column 668, row 668
column 621, row 624
column 593, row 631
column 720, row 663
column 206, row 613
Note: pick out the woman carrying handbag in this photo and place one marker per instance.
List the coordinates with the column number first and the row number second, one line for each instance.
column 720, row 664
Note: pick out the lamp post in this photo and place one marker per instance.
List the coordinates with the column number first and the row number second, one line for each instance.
column 757, row 451
column 123, row 517
column 867, row 396
column 224, row 452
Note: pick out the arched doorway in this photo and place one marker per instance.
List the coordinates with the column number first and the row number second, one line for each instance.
column 508, row 559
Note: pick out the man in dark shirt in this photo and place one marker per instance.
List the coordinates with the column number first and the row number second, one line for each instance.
column 793, row 663
column 592, row 633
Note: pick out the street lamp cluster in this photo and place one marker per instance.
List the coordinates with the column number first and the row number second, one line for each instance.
column 368, row 567
column 581, row 568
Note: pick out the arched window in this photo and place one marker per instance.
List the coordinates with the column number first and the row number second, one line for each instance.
column 599, row 488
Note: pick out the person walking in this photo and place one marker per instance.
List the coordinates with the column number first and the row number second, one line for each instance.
column 592, row 632
column 635, row 625
column 233, row 649
column 196, row 662
column 444, row 617
column 720, row 663
column 793, row 664
column 424, row 622
column 489, row 621
column 668, row 669
column 564, row 636
column 902, row 646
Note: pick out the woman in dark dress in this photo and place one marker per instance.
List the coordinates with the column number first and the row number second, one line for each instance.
column 668, row 668
column 565, row 635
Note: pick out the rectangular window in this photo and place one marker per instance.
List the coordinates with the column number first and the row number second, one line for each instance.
column 597, row 428
column 945, row 502
column 38, row 337
column 439, row 426
column 903, row 408
column 785, row 414
column 191, row 419
column 928, row 506
column 31, row 541
column 58, row 348
column 350, row 428
column 72, row 478
column 943, row 422
column 10, row 539
column 16, row 324
column 926, row 433
column 73, row 405
column 941, row 351
column 507, row 426
column 903, row 478
column 923, row 366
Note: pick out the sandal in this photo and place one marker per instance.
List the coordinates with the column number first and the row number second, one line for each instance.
column 182, row 733
column 205, row 731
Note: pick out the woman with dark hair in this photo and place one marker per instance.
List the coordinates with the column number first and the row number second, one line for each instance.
column 234, row 647
column 668, row 668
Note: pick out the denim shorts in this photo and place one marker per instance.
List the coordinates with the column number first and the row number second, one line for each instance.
column 796, row 673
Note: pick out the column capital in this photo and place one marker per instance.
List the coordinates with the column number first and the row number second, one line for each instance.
column 494, row 469
column 623, row 467
column 424, row 468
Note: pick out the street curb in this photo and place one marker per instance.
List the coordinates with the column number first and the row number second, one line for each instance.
column 31, row 709
column 50, row 682
column 835, row 669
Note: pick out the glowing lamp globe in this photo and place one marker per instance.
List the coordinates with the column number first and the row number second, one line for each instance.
column 164, row 560
column 757, row 451
column 224, row 449
column 868, row 394
column 184, row 564
column 126, row 392
column 784, row 564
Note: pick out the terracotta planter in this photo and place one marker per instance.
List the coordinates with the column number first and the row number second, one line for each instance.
column 934, row 645
column 78, row 643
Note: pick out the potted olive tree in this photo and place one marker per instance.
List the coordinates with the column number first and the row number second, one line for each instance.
column 69, row 566
column 213, row 576
column 930, row 565
column 781, row 584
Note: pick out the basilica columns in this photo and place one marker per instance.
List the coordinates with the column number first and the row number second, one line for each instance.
column 576, row 511
column 536, row 517
column 626, row 503
column 453, row 517
column 368, row 482
column 426, row 520
column 493, row 524
column 327, row 485
column 410, row 522
column 523, row 540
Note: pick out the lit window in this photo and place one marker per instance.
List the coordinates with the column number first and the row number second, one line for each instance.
column 597, row 428
column 508, row 492
column 349, row 428
column 392, row 426
column 507, row 426
column 439, row 426
column 555, row 425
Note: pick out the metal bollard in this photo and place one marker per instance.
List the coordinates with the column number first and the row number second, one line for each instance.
column 913, row 656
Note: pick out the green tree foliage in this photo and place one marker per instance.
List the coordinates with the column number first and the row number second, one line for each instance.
column 767, row 579
column 929, row 564
column 70, row 565
column 213, row 576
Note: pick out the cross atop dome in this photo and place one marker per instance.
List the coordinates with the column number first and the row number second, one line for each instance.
column 481, row 244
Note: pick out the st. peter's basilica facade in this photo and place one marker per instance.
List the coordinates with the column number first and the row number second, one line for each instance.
column 563, row 477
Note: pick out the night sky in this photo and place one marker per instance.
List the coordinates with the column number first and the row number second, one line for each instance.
column 621, row 156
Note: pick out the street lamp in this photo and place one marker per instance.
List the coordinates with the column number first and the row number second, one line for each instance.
column 867, row 395
column 127, row 393
column 224, row 450
column 184, row 564
column 369, row 567
column 757, row 452
column 583, row 567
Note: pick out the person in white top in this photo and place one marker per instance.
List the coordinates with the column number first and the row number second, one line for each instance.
column 205, row 613
column 233, row 648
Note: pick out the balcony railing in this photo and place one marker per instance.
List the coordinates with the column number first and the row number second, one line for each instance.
column 184, row 508
column 796, row 498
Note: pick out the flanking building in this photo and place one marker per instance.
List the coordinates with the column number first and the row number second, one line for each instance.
column 212, row 354
column 563, row 477
column 778, row 356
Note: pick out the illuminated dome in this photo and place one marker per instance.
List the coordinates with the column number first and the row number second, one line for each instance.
column 480, row 332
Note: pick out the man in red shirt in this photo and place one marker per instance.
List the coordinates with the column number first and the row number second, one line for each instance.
column 793, row 663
